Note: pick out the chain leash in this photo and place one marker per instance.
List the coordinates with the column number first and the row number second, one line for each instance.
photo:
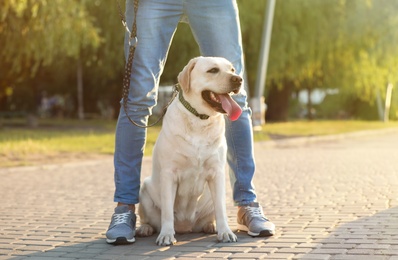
column 133, row 41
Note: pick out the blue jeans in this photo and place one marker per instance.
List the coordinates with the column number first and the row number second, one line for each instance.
column 215, row 26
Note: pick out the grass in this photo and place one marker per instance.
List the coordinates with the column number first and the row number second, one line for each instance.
column 59, row 140
column 313, row 128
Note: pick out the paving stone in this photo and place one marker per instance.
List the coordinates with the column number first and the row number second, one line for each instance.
column 386, row 252
column 233, row 249
column 388, row 241
column 5, row 251
column 4, row 257
column 357, row 257
column 311, row 257
column 10, row 246
column 248, row 256
column 373, row 246
column 329, row 200
column 279, row 256
column 217, row 255
column 339, row 246
column 263, row 250
column 279, row 245
column 294, row 250
column 191, row 255
column 330, row 251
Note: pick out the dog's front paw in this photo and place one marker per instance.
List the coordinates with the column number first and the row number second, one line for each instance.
column 145, row 230
column 226, row 236
column 166, row 239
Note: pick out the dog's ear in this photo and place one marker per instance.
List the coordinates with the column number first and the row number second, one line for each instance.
column 184, row 77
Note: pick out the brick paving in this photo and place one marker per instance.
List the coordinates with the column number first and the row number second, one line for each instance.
column 331, row 198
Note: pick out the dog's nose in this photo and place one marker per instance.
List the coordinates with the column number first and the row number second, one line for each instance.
column 236, row 79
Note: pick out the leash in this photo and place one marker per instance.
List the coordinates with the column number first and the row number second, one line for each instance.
column 133, row 41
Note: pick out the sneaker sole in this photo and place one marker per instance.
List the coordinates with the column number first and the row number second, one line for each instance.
column 120, row 241
column 263, row 233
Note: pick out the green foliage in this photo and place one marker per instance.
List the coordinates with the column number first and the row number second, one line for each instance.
column 370, row 44
column 251, row 17
column 38, row 32
column 349, row 45
column 40, row 40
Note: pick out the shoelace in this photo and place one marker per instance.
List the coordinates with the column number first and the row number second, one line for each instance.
column 121, row 218
column 255, row 212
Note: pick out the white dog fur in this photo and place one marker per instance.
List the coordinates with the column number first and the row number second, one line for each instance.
column 186, row 191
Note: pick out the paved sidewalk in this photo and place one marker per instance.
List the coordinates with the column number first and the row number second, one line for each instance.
column 330, row 199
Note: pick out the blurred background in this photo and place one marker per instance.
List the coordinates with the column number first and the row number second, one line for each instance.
column 329, row 59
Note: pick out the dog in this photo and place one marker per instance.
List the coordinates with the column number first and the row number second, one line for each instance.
column 186, row 191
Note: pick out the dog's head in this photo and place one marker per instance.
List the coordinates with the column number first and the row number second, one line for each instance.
column 208, row 83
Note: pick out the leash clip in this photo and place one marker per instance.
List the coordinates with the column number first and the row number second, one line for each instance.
column 133, row 41
column 176, row 88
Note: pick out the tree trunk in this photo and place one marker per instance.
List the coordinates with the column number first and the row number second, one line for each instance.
column 309, row 105
column 278, row 103
column 80, row 105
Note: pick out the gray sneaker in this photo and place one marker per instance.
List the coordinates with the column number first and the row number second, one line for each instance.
column 122, row 227
column 251, row 219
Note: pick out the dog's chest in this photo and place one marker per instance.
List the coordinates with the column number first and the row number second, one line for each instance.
column 191, row 195
column 191, row 181
column 199, row 151
column 198, row 164
column 201, row 143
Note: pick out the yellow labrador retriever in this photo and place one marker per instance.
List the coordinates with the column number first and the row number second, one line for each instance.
column 186, row 192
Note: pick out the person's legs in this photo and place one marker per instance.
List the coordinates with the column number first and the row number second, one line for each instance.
column 156, row 24
column 215, row 25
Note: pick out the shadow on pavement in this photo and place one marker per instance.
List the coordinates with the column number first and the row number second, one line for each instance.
column 193, row 245
column 369, row 237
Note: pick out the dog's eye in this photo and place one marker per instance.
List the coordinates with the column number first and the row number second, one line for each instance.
column 213, row 70
column 233, row 69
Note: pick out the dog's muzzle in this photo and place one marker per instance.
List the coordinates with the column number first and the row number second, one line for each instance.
column 236, row 82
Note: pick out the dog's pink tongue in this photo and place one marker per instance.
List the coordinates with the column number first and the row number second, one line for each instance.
column 230, row 106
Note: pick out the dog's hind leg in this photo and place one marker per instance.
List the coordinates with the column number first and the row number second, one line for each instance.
column 205, row 221
column 205, row 218
column 210, row 228
column 207, row 226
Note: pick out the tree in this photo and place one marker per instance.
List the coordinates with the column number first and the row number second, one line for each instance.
column 348, row 45
column 36, row 34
